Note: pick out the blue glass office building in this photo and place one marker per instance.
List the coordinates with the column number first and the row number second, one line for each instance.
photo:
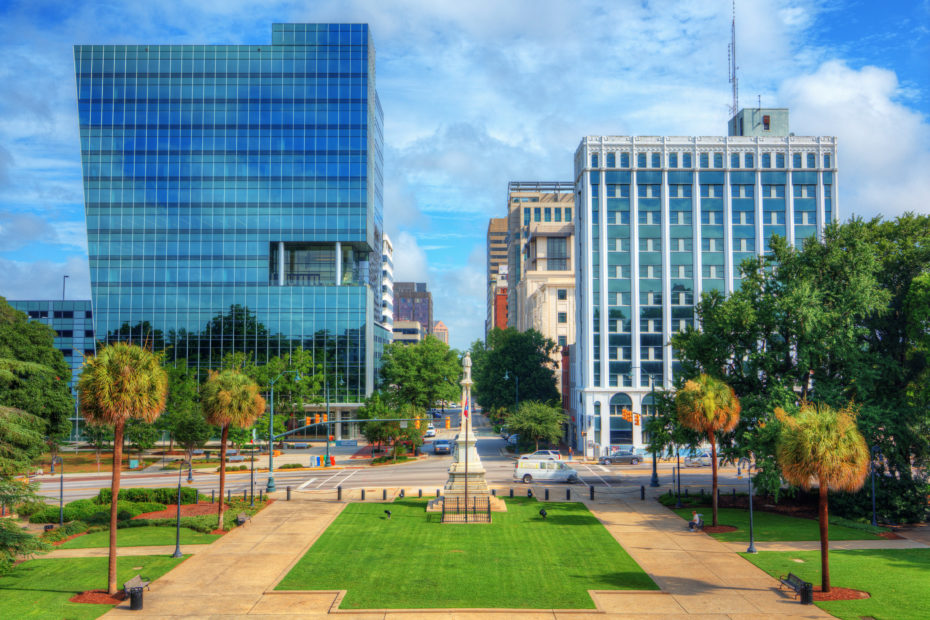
column 661, row 219
column 233, row 197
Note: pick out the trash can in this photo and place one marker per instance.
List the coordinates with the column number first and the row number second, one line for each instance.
column 807, row 593
column 135, row 598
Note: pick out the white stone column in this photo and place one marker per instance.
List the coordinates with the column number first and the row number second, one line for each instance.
column 281, row 281
column 338, row 263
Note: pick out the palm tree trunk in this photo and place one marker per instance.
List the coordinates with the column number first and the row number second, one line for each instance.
column 114, row 495
column 219, row 521
column 824, row 538
column 713, row 464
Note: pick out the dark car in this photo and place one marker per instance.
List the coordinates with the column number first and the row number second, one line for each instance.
column 442, row 446
column 626, row 458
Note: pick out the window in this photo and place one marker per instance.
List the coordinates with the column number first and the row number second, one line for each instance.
column 656, row 160
column 563, row 341
column 649, row 218
column 650, row 245
column 704, row 160
column 679, row 191
column 743, row 218
column 547, row 214
column 711, row 191
column 686, row 160
column 681, row 245
column 745, row 245
column 711, row 218
column 681, row 271
column 766, row 122
column 611, row 160
column 65, row 333
column 796, row 160
column 640, row 160
column 766, row 160
column 779, row 160
column 650, row 271
column 556, row 254
column 558, row 215
column 63, row 314
column 621, row 245
column 563, row 317
column 673, row 160
column 734, row 160
column 537, row 212
column 88, row 333
column 811, row 160
column 826, row 160
column 621, row 299
column 718, row 160
column 749, row 160
column 624, row 160
column 568, row 214
column 561, row 294
column 681, row 218
column 594, row 160
column 526, row 216
column 712, row 245
column 713, row 271
column 741, row 191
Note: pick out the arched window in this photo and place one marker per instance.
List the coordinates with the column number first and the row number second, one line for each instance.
column 621, row 431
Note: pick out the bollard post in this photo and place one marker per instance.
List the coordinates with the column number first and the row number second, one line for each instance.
column 591, row 488
column 511, row 492
column 212, row 492
column 196, row 496
column 383, row 494
column 260, row 494
column 642, row 492
column 363, row 495
column 494, row 492
column 339, row 492
column 734, row 492
column 529, row 492
column 288, row 493
column 402, row 493
column 547, row 495
column 438, row 494
column 686, row 492
column 244, row 495
column 568, row 494
column 419, row 492
column 228, row 495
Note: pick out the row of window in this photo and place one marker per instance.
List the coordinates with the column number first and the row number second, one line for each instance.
column 709, row 191
column 737, row 160
column 547, row 214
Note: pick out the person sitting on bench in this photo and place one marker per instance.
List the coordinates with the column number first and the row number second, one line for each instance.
column 695, row 521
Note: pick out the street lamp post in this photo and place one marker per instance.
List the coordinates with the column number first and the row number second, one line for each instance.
column 328, row 427
column 271, row 486
column 252, row 473
column 678, row 476
column 61, row 490
column 516, row 379
column 876, row 452
column 655, row 474
column 749, row 465
column 177, row 528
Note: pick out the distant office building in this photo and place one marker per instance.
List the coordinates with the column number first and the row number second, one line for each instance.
column 500, row 305
column 441, row 331
column 73, row 322
column 541, row 271
column 413, row 302
column 408, row 332
column 662, row 219
column 387, row 283
column 233, row 198
column 496, row 267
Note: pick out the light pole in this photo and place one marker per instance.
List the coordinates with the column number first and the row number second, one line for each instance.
column 678, row 475
column 252, row 473
column 516, row 379
column 271, row 487
column 655, row 473
column 876, row 452
column 177, row 528
column 64, row 280
column 61, row 489
column 749, row 465
column 326, row 391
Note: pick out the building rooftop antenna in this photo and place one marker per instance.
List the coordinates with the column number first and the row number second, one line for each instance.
column 734, row 81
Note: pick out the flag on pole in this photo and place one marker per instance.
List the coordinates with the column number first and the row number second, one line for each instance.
column 465, row 408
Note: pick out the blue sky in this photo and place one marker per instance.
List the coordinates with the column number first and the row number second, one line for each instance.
column 479, row 93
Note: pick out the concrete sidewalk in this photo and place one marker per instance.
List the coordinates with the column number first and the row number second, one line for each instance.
column 835, row 545
column 102, row 552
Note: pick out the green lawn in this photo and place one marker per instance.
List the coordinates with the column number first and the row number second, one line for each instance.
column 139, row 536
column 897, row 579
column 518, row 561
column 770, row 526
column 41, row 588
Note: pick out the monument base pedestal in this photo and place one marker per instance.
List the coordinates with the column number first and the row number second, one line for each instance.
column 497, row 504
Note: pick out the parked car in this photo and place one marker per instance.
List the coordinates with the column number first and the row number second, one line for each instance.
column 430, row 432
column 529, row 470
column 513, row 439
column 442, row 446
column 505, row 432
column 626, row 458
column 543, row 455
column 698, row 459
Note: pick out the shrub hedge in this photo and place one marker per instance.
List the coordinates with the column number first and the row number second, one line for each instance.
column 167, row 495
column 89, row 511
column 68, row 529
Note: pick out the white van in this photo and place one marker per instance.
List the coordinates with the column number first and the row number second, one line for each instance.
column 529, row 470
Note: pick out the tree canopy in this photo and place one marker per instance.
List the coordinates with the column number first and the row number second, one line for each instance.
column 421, row 374
column 537, row 422
column 524, row 358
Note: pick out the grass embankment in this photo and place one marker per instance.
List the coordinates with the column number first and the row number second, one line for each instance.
column 139, row 537
column 41, row 588
column 770, row 526
column 518, row 561
column 897, row 579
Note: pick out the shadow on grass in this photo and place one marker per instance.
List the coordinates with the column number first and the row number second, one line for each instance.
column 624, row 580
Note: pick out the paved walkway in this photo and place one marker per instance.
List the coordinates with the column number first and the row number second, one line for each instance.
column 699, row 577
column 835, row 545
column 98, row 552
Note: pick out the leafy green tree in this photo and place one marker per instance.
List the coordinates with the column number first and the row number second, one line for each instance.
column 141, row 435
column 537, row 421
column 708, row 406
column 100, row 438
column 121, row 383
column 33, row 373
column 230, row 398
column 191, row 431
column 822, row 445
column 183, row 398
column 524, row 358
column 375, row 408
column 421, row 374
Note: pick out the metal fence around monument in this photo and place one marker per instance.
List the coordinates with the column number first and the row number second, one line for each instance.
column 474, row 510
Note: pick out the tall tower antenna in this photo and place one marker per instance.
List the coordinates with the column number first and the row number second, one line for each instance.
column 734, row 81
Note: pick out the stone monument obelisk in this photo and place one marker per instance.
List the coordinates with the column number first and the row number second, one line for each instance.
column 466, row 481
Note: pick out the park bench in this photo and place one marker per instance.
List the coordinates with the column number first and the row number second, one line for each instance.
column 242, row 518
column 235, row 459
column 799, row 586
column 302, row 446
column 197, row 452
column 135, row 582
column 700, row 523
column 231, row 452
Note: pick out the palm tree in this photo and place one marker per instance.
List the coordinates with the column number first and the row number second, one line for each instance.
column 708, row 406
column 230, row 398
column 122, row 382
column 822, row 445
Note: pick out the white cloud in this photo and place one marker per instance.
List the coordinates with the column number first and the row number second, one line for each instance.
column 410, row 263
column 42, row 279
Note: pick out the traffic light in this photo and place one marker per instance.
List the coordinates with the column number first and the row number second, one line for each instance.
column 331, row 437
column 325, row 416
column 626, row 414
column 448, row 422
column 307, row 421
column 636, row 419
column 416, row 423
column 316, row 418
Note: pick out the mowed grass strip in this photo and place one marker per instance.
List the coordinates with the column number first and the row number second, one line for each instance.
column 139, row 537
column 41, row 588
column 770, row 526
column 897, row 579
column 519, row 561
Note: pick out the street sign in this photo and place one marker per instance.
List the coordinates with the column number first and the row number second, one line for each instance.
column 403, row 423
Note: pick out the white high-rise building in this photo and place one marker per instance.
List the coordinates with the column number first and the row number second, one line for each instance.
column 659, row 220
column 387, row 283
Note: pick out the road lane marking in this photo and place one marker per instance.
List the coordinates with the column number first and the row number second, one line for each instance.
column 309, row 480
column 588, row 467
column 604, row 469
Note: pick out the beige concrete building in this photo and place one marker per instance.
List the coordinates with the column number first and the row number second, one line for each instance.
column 441, row 332
column 408, row 332
column 540, row 261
